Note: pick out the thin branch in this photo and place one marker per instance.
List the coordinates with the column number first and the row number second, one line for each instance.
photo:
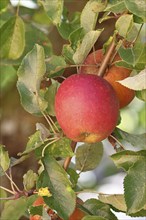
column 49, row 123
column 68, row 159
column 52, row 122
column 106, row 59
column 7, row 190
column 12, row 182
column 118, row 142
column 8, row 198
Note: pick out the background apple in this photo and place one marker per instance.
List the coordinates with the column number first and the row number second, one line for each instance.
column 38, row 202
column 112, row 75
column 86, row 108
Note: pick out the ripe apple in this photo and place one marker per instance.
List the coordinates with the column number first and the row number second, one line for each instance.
column 86, row 108
column 77, row 214
column 112, row 75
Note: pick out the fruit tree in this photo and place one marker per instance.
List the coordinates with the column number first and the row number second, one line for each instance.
column 73, row 93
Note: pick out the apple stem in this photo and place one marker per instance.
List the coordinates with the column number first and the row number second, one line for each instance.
column 106, row 59
column 68, row 159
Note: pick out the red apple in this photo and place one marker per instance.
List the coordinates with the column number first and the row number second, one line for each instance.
column 112, row 75
column 86, row 108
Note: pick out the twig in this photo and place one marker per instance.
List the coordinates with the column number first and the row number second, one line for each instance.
column 106, row 59
column 49, row 123
column 117, row 141
column 12, row 182
column 52, row 122
column 8, row 198
column 10, row 191
column 68, row 159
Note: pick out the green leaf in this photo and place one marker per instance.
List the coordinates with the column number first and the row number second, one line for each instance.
column 4, row 158
column 117, row 201
column 63, row 197
column 137, row 7
column 50, row 97
column 3, row 4
column 76, row 37
column 116, row 6
column 36, row 210
column 135, row 187
column 8, row 78
column 12, row 38
column 124, row 25
column 136, row 82
column 67, row 25
column 14, row 209
column 35, row 141
column 33, row 35
column 29, row 180
column 137, row 140
column 55, row 66
column 74, row 176
column 61, row 148
column 127, row 158
column 88, row 156
column 84, row 48
column 30, row 74
column 134, row 56
column 3, row 194
column 88, row 217
column 141, row 95
column 90, row 12
column 68, row 53
column 54, row 10
column 97, row 208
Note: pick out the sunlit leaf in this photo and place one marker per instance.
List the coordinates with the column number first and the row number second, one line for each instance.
column 137, row 140
column 116, row 6
column 117, row 202
column 90, row 12
column 60, row 188
column 4, row 158
column 124, row 25
column 68, row 25
column 12, row 38
column 136, row 82
column 126, row 159
column 54, row 10
column 88, row 156
column 30, row 74
column 135, row 187
column 98, row 208
column 87, row 43
column 61, row 148
column 29, row 180
column 137, row 7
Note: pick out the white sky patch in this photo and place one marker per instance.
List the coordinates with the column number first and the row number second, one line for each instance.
column 25, row 3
